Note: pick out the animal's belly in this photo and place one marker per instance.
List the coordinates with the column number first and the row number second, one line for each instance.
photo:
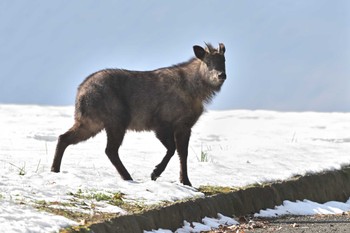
column 140, row 122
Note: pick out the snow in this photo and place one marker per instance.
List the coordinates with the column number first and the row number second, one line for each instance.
column 305, row 207
column 227, row 148
column 206, row 225
column 19, row 218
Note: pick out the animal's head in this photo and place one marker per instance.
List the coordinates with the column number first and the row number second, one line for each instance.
column 213, row 63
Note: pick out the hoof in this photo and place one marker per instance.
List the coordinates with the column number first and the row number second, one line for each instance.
column 55, row 170
column 186, row 182
column 154, row 176
column 127, row 178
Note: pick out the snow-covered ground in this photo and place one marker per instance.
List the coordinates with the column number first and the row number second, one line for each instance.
column 227, row 148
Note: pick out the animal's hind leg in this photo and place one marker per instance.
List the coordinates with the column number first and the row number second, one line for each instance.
column 166, row 136
column 79, row 132
column 115, row 137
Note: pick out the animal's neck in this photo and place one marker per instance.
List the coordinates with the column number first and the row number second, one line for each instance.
column 197, row 86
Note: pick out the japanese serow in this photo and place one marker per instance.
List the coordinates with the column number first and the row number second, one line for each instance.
column 167, row 101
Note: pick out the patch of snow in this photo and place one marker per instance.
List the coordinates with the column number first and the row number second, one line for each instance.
column 20, row 218
column 305, row 207
column 198, row 227
column 160, row 231
column 206, row 225
column 224, row 220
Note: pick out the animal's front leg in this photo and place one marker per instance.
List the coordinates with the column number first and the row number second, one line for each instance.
column 166, row 136
column 182, row 138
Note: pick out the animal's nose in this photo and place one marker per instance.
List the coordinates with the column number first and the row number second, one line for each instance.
column 222, row 76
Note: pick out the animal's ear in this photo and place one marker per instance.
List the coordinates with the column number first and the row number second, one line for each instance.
column 222, row 48
column 199, row 52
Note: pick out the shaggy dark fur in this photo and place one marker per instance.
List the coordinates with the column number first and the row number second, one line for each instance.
column 167, row 101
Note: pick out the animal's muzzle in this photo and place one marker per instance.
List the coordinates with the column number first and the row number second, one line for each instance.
column 222, row 76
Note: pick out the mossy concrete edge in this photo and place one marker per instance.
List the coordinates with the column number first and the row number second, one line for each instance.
column 319, row 187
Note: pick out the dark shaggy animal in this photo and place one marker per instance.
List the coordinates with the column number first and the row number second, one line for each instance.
column 167, row 101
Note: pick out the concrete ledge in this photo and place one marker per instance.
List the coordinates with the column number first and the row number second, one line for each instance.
column 320, row 187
